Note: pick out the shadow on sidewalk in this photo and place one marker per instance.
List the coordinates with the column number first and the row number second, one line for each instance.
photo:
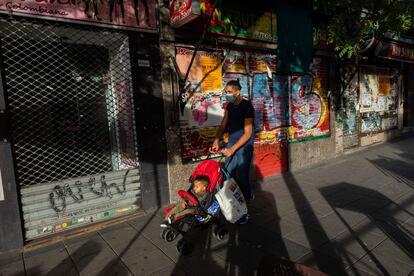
column 382, row 214
column 67, row 266
column 327, row 261
column 397, row 169
column 243, row 250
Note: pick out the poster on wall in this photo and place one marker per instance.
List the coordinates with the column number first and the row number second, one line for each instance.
column 195, row 143
column 203, row 107
column 309, row 112
column 370, row 122
column 235, row 68
column 203, row 111
column 129, row 14
column 368, row 88
column 378, row 102
column 384, row 86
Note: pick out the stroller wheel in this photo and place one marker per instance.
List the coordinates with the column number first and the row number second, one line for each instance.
column 168, row 234
column 220, row 233
column 163, row 232
column 184, row 247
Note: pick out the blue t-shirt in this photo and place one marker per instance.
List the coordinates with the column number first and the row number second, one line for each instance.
column 235, row 123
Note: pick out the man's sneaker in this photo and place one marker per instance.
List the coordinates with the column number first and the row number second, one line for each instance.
column 243, row 220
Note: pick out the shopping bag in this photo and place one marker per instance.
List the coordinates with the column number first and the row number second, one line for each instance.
column 231, row 201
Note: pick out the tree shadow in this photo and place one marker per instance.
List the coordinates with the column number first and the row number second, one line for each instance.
column 381, row 212
column 406, row 155
column 327, row 261
column 397, row 169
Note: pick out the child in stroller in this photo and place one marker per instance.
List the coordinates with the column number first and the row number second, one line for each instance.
column 198, row 206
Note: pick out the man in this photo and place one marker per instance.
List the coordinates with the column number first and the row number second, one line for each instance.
column 238, row 120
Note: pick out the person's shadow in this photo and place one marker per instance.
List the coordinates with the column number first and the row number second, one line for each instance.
column 259, row 239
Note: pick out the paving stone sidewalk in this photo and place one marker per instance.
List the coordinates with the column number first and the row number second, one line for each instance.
column 349, row 216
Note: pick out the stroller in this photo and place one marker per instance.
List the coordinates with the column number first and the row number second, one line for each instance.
column 203, row 212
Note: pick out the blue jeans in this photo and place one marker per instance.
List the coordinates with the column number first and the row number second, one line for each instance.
column 238, row 166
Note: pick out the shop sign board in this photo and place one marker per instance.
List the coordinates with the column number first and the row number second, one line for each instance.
column 395, row 51
column 234, row 22
column 128, row 14
column 183, row 11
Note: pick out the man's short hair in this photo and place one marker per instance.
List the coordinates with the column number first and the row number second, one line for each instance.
column 235, row 84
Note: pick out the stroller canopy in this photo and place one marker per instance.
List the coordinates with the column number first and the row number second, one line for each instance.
column 212, row 170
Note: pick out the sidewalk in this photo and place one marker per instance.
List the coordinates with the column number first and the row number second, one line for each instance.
column 350, row 216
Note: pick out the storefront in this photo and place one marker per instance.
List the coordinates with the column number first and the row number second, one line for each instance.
column 72, row 75
column 372, row 107
column 241, row 44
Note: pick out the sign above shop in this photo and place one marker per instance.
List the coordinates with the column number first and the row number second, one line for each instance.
column 227, row 20
column 129, row 14
column 396, row 51
column 183, row 11
column 251, row 23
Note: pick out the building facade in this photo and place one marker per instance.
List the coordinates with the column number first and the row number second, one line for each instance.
column 293, row 120
column 76, row 147
column 301, row 119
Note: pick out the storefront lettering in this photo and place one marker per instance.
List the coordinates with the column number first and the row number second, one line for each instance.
column 59, row 194
column 401, row 52
column 61, row 2
column 39, row 9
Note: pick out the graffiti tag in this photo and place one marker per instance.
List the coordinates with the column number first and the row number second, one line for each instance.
column 59, row 194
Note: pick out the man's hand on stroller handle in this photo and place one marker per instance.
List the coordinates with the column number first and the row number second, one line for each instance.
column 215, row 147
column 227, row 151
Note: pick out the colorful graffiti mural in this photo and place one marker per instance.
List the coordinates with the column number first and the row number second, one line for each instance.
column 283, row 109
column 267, row 92
column 308, row 112
column 270, row 99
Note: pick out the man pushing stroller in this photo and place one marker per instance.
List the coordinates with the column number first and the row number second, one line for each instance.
column 238, row 121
